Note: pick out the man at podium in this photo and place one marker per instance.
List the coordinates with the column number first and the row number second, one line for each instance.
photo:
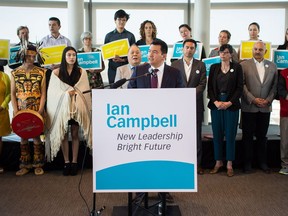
column 156, row 74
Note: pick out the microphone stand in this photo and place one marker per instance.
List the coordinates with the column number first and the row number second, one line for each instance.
column 118, row 83
column 94, row 212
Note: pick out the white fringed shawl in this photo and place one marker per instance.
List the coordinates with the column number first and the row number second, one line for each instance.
column 61, row 107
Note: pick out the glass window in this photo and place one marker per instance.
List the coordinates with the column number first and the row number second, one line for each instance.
column 13, row 17
column 168, row 33
column 237, row 21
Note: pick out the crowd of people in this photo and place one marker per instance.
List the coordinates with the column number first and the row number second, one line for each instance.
column 237, row 89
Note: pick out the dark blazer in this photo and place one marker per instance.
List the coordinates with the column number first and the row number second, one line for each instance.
column 235, row 85
column 171, row 78
column 197, row 79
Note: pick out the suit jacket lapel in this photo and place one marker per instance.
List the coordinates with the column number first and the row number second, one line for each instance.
column 266, row 66
column 164, row 78
column 193, row 70
column 182, row 70
column 148, row 78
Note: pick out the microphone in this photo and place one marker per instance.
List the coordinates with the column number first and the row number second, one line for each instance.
column 150, row 70
column 118, row 83
column 122, row 81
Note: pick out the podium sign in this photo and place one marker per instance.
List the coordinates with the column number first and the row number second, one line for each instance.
column 144, row 140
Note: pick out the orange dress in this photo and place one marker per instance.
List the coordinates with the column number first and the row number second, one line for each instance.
column 5, row 128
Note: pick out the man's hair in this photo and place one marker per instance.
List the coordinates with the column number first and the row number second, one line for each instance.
column 121, row 14
column 190, row 40
column 55, row 19
column 20, row 28
column 162, row 44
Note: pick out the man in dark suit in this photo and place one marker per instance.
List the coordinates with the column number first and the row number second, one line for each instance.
column 193, row 73
column 260, row 85
column 167, row 77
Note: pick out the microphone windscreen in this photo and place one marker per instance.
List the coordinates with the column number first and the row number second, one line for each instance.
column 150, row 70
column 118, row 83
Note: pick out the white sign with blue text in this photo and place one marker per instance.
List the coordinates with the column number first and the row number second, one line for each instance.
column 144, row 52
column 13, row 52
column 210, row 61
column 90, row 60
column 144, row 140
column 178, row 51
column 280, row 58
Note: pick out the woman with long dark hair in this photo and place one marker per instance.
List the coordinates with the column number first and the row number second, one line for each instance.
column 68, row 106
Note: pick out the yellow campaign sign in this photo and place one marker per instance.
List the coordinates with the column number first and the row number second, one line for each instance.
column 4, row 49
column 52, row 55
column 246, row 48
column 118, row 47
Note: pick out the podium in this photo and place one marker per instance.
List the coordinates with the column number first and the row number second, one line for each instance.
column 140, row 147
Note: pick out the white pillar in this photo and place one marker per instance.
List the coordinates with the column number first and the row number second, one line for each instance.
column 286, row 17
column 75, row 22
column 201, row 32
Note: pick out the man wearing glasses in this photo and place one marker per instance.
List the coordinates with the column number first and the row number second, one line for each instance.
column 120, row 18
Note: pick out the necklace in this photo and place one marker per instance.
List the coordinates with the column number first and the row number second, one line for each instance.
column 225, row 69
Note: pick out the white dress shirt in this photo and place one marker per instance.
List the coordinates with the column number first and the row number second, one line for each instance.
column 159, row 74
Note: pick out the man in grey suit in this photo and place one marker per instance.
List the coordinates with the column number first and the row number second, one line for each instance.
column 193, row 73
column 125, row 71
column 260, row 85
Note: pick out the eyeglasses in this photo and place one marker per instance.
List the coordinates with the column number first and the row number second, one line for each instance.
column 223, row 52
